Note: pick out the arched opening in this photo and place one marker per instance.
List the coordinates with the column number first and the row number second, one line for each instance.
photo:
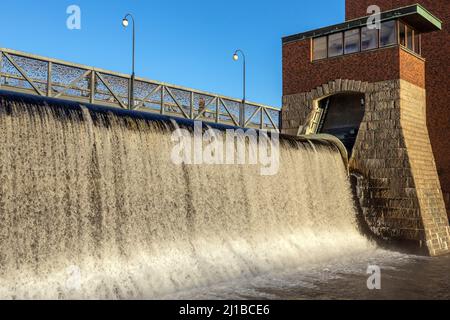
column 341, row 117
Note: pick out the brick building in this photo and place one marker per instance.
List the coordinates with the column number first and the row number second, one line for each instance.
column 436, row 51
column 384, row 92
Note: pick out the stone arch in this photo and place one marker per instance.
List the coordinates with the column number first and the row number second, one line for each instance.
column 341, row 115
column 321, row 92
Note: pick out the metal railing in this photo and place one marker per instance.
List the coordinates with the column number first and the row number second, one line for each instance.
column 23, row 72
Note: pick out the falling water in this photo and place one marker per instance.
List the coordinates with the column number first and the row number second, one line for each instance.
column 92, row 206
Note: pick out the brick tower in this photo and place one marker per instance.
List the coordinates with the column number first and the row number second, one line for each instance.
column 436, row 51
column 368, row 86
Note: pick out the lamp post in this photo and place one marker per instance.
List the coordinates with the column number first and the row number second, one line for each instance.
column 242, row 109
column 125, row 23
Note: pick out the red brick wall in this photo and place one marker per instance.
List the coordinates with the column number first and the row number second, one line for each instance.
column 436, row 50
column 300, row 74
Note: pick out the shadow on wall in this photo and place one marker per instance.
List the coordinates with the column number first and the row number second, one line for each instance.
column 375, row 229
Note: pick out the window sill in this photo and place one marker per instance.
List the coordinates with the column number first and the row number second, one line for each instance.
column 356, row 53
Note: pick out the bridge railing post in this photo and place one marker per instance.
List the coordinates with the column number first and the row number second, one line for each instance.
column 162, row 111
column 242, row 114
column 93, row 86
column 261, row 118
column 191, row 110
column 1, row 68
column 49, row 78
column 217, row 110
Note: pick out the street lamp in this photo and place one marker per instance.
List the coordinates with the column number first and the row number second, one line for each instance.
column 125, row 23
column 242, row 109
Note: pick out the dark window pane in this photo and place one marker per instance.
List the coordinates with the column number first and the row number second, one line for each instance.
column 320, row 48
column 388, row 33
column 335, row 46
column 352, row 41
column 369, row 38
column 409, row 38
column 402, row 32
column 417, row 44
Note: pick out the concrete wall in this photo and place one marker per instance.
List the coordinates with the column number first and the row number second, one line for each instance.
column 400, row 193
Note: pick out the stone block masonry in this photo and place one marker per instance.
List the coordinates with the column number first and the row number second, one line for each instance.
column 400, row 193
column 431, row 201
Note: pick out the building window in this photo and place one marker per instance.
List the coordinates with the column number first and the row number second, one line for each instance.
column 409, row 38
column 335, row 46
column 392, row 32
column 352, row 41
column 402, row 33
column 320, row 48
column 388, row 33
column 369, row 39
column 417, row 43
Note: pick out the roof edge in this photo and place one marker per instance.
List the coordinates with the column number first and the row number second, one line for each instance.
column 434, row 23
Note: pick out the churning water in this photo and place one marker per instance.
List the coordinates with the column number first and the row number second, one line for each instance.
column 92, row 206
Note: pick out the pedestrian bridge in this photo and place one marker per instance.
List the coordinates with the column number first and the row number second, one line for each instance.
column 28, row 73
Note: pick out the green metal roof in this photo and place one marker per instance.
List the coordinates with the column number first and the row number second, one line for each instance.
column 415, row 15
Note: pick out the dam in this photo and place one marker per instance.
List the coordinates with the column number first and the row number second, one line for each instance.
column 88, row 189
column 94, row 206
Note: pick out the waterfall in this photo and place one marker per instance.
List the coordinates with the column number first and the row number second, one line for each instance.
column 91, row 206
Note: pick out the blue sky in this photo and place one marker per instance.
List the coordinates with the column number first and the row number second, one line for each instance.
column 188, row 43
